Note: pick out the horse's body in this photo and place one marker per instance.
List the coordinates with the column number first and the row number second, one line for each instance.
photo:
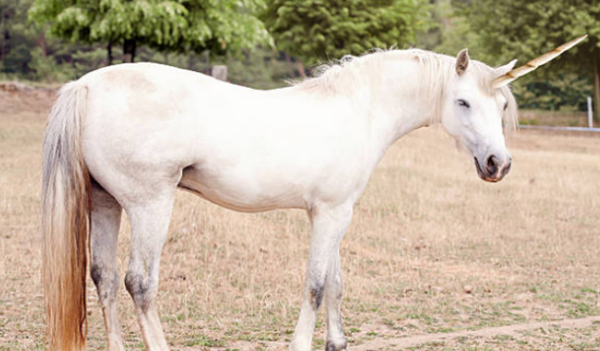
column 244, row 149
column 125, row 137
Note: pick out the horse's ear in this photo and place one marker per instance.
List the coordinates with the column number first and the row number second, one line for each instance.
column 462, row 61
column 502, row 70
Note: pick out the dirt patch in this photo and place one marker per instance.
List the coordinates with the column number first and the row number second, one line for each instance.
column 509, row 330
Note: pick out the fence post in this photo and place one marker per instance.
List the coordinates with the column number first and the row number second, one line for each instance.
column 220, row 72
column 590, row 114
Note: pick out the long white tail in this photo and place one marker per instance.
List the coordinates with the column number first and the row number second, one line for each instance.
column 65, row 222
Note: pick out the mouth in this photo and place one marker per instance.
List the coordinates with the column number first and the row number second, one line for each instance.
column 486, row 177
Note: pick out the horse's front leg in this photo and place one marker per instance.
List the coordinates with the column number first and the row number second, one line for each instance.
column 336, row 341
column 328, row 227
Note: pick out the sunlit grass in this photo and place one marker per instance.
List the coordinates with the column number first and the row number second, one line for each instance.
column 426, row 229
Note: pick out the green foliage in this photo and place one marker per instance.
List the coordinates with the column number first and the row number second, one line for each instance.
column 260, row 69
column 455, row 33
column 317, row 30
column 511, row 28
column 14, row 36
column 436, row 34
column 182, row 25
column 508, row 29
column 30, row 55
column 44, row 67
column 498, row 31
column 566, row 92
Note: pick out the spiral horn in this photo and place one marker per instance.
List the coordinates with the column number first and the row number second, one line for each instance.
column 535, row 63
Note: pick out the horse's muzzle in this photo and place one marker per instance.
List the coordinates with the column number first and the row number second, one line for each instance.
column 494, row 168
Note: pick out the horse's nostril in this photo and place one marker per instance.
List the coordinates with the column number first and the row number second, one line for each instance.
column 492, row 165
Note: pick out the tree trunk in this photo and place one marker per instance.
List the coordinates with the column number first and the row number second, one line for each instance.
column 288, row 59
column 109, row 53
column 596, row 105
column 4, row 35
column 42, row 44
column 3, row 54
column 301, row 68
column 129, row 46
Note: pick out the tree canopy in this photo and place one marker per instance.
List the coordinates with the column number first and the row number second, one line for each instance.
column 317, row 30
column 510, row 29
column 165, row 25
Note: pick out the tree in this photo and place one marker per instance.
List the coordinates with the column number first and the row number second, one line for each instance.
column 317, row 30
column 24, row 50
column 165, row 25
column 525, row 29
column 16, row 41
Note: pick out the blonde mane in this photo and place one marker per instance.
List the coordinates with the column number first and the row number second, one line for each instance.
column 345, row 76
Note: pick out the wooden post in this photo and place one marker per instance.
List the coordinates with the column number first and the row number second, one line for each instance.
column 590, row 114
column 597, row 87
column 220, row 72
column 109, row 53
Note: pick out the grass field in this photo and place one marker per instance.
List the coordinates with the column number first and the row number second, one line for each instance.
column 435, row 259
column 555, row 118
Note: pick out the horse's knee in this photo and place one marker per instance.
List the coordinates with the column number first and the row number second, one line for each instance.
column 106, row 281
column 317, row 292
column 140, row 289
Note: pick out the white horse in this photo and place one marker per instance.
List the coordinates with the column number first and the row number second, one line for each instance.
column 127, row 136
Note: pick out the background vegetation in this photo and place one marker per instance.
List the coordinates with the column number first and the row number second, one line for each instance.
column 266, row 42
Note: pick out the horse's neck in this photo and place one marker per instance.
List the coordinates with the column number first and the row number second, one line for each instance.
column 388, row 100
column 397, row 107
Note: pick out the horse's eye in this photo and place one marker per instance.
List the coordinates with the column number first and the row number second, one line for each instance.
column 463, row 103
column 505, row 106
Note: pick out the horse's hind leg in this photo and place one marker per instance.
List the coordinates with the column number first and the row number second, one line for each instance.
column 149, row 226
column 106, row 219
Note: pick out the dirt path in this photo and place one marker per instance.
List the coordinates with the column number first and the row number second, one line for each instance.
column 511, row 330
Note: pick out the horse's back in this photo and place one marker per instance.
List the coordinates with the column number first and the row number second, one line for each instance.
column 145, row 75
column 144, row 85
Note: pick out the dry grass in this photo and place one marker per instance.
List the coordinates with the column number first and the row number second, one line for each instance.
column 555, row 118
column 528, row 248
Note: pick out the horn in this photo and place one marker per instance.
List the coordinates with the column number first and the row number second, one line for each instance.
column 535, row 63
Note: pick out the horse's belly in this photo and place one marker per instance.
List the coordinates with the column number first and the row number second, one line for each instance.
column 239, row 194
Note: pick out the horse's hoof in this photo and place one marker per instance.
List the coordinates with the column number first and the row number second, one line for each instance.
column 339, row 346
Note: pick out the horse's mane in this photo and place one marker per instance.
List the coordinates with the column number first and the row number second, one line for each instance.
column 350, row 73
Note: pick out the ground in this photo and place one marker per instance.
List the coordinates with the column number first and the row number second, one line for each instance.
column 435, row 258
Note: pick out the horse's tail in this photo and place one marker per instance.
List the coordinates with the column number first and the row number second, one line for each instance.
column 65, row 221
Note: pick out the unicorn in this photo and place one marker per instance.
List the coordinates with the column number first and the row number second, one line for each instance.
column 126, row 137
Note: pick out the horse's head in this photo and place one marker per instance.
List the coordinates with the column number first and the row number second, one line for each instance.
column 473, row 113
column 478, row 100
